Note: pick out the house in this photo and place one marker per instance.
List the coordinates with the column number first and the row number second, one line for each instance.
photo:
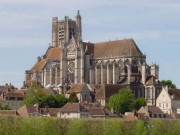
column 90, row 110
column 152, row 90
column 27, row 111
column 169, row 100
column 150, row 112
column 96, row 110
column 13, row 98
column 50, row 112
column 73, row 110
column 85, row 92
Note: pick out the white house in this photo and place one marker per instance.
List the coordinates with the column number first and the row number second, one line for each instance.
column 169, row 100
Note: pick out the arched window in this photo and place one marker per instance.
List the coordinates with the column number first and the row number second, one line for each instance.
column 134, row 67
column 125, row 69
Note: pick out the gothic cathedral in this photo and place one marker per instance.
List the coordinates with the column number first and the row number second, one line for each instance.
column 69, row 61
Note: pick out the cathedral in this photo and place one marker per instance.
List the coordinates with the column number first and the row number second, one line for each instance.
column 69, row 61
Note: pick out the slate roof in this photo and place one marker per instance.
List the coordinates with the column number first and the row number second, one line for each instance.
column 175, row 93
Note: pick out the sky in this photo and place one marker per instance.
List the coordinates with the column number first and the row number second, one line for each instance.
column 25, row 31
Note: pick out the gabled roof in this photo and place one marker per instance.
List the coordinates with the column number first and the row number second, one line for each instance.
column 108, row 90
column 51, row 111
column 27, row 110
column 152, row 80
column 72, row 107
column 154, row 110
column 150, row 110
column 77, row 88
column 38, row 66
column 96, row 112
column 53, row 53
column 175, row 93
column 125, row 47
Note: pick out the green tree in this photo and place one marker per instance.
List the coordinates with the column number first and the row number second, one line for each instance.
column 33, row 95
column 139, row 103
column 122, row 101
column 53, row 101
column 73, row 98
column 4, row 107
column 168, row 83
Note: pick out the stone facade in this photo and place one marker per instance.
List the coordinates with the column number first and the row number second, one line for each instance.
column 69, row 61
column 169, row 100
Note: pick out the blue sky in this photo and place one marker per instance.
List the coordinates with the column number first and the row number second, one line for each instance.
column 25, row 30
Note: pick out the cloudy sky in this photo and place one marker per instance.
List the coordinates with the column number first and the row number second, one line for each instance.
column 25, row 30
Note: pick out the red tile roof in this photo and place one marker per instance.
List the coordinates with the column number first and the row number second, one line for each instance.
column 53, row 53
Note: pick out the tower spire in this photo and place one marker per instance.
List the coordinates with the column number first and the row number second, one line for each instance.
column 79, row 27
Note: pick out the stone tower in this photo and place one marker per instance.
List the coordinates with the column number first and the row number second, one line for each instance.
column 64, row 30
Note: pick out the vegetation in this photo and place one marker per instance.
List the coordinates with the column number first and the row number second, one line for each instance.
column 4, row 107
column 37, row 95
column 169, row 83
column 73, row 98
column 52, row 101
column 139, row 103
column 124, row 101
column 55, row 126
column 33, row 95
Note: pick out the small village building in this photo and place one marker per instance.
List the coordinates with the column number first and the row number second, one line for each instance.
column 169, row 100
column 150, row 112
column 28, row 111
column 73, row 110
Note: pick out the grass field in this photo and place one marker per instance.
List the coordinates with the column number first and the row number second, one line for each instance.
column 55, row 126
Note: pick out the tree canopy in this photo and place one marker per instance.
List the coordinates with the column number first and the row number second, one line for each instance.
column 122, row 101
column 4, row 107
column 139, row 103
column 73, row 98
column 33, row 95
column 53, row 101
column 169, row 83
column 36, row 94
